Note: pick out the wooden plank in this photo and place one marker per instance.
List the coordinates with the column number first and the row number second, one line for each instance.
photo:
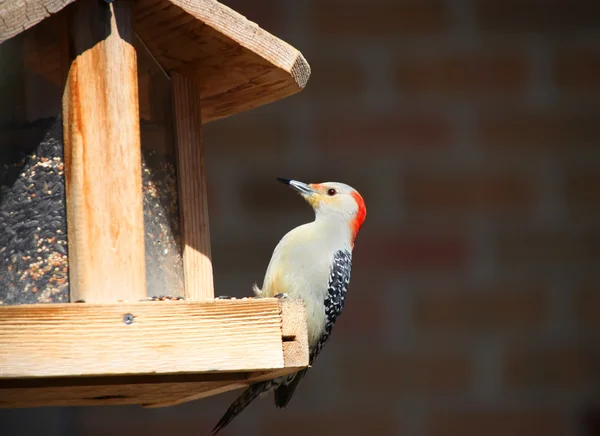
column 203, row 391
column 148, row 391
column 17, row 16
column 237, row 65
column 85, row 354
column 62, row 340
column 193, row 204
column 219, row 389
column 295, row 355
column 109, row 395
column 94, row 391
column 295, row 347
column 103, row 156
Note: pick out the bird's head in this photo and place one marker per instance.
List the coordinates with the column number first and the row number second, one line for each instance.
column 333, row 201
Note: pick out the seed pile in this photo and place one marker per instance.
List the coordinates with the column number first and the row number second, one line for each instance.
column 33, row 227
column 164, row 263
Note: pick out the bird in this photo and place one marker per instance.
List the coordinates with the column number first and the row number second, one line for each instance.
column 312, row 263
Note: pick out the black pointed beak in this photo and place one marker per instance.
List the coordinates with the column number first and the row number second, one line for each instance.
column 302, row 188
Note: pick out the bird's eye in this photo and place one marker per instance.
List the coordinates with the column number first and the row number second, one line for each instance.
column 331, row 192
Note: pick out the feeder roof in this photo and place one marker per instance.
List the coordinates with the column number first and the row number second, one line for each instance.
column 237, row 65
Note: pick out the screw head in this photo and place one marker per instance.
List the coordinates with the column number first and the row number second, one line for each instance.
column 128, row 318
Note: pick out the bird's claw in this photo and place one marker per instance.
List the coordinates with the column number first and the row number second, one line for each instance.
column 282, row 296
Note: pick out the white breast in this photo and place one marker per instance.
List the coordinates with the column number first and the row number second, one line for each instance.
column 300, row 267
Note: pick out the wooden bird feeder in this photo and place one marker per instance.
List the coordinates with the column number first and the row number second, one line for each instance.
column 103, row 202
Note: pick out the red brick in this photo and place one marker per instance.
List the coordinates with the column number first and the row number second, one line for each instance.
column 468, row 192
column 583, row 192
column 383, row 133
column 562, row 249
column 568, row 367
column 544, row 131
column 363, row 311
column 335, row 77
column 135, row 421
column 386, row 373
column 554, row 16
column 497, row 422
column 357, row 423
column 470, row 75
column 586, row 304
column 591, row 419
column 356, row 18
column 412, row 251
column 501, row 309
column 577, row 70
column 249, row 134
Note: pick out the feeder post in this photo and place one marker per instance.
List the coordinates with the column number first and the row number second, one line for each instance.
column 193, row 204
column 103, row 156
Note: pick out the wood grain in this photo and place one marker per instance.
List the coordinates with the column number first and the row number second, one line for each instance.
column 295, row 347
column 193, row 204
column 238, row 65
column 148, row 391
column 219, row 388
column 203, row 391
column 295, row 355
column 103, row 156
column 18, row 16
column 172, row 352
column 164, row 338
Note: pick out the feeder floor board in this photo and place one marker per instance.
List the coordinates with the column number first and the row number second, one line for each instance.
column 155, row 353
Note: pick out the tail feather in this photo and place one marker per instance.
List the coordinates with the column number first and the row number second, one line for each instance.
column 285, row 391
column 242, row 402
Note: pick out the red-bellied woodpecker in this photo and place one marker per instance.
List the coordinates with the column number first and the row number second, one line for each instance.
column 312, row 263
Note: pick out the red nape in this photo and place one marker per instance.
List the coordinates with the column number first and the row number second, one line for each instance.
column 361, row 214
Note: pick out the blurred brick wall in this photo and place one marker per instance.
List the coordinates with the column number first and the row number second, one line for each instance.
column 472, row 128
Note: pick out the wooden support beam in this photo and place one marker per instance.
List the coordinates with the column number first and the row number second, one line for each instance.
column 193, row 204
column 238, row 66
column 62, row 340
column 150, row 353
column 295, row 351
column 103, row 156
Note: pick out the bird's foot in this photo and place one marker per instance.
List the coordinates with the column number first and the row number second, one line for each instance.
column 282, row 296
